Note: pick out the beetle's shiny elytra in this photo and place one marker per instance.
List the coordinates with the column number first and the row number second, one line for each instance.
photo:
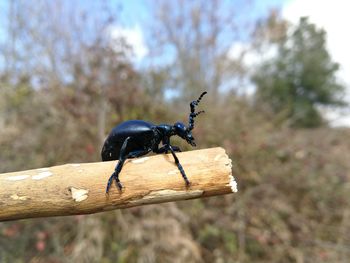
column 135, row 138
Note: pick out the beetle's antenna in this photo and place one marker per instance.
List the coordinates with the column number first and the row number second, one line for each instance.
column 194, row 114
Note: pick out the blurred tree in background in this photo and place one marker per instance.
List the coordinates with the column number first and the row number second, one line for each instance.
column 195, row 37
column 301, row 77
column 64, row 74
column 65, row 82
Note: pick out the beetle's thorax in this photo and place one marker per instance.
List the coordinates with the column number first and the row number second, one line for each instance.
column 166, row 130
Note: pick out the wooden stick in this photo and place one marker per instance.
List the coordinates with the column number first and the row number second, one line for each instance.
column 73, row 189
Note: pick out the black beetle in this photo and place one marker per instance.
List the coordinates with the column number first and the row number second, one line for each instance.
column 135, row 138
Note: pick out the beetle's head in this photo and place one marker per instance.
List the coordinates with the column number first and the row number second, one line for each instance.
column 182, row 131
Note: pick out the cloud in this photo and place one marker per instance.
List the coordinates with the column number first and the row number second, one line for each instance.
column 250, row 59
column 133, row 37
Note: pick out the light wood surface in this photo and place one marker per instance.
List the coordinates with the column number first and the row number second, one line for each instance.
column 73, row 189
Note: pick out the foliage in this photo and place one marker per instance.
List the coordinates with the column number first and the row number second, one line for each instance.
column 300, row 78
column 292, row 203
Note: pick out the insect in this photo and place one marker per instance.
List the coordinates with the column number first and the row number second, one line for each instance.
column 135, row 138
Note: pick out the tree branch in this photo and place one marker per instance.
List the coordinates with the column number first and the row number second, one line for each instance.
column 73, row 189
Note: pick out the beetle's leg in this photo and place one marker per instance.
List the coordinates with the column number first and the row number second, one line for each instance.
column 176, row 149
column 166, row 143
column 115, row 175
column 118, row 167
column 179, row 166
column 165, row 149
column 162, row 149
column 136, row 154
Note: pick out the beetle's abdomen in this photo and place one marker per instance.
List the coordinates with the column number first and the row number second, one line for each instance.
column 141, row 133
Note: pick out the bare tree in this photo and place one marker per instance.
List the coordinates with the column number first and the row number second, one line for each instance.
column 198, row 36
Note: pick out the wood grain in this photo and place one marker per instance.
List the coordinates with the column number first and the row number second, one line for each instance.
column 73, row 189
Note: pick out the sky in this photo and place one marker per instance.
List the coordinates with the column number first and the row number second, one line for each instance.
column 332, row 15
column 135, row 17
column 3, row 6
